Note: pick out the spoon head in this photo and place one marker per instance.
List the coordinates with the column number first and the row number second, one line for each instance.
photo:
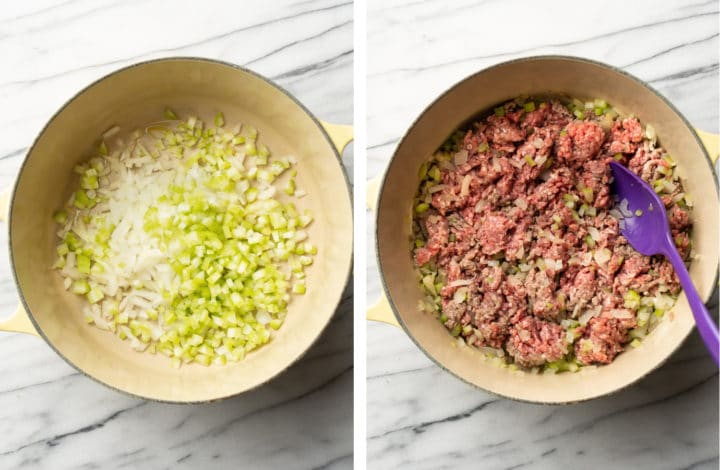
column 644, row 222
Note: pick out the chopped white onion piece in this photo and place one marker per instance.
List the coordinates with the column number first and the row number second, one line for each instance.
column 461, row 157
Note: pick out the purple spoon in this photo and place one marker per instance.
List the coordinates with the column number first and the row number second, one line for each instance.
column 649, row 233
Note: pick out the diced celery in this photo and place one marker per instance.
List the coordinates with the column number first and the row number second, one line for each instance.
column 422, row 207
column 95, row 295
column 290, row 188
column 83, row 264
column 170, row 114
column 80, row 287
column 60, row 217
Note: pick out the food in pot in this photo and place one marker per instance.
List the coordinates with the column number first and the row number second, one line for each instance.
column 184, row 239
column 517, row 237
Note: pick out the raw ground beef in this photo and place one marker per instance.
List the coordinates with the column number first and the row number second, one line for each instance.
column 517, row 234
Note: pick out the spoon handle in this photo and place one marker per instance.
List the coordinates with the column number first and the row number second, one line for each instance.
column 706, row 326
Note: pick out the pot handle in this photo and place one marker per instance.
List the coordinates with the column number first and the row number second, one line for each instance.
column 711, row 142
column 381, row 311
column 19, row 322
column 340, row 134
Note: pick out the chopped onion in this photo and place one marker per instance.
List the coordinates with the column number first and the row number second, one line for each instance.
column 460, row 295
column 594, row 233
column 429, row 283
column 678, row 197
column 620, row 313
column 555, row 265
column 650, row 134
column 623, row 207
column 669, row 186
column 602, row 256
column 587, row 315
column 111, row 132
column 465, row 186
column 516, row 163
column 491, row 352
column 445, row 165
column 461, row 157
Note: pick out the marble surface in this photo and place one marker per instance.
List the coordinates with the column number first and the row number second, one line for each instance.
column 53, row 417
column 420, row 417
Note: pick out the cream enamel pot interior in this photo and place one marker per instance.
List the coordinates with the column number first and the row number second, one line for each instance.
column 393, row 196
column 133, row 97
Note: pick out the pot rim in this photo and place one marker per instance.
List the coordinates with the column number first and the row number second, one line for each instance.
column 386, row 290
column 62, row 108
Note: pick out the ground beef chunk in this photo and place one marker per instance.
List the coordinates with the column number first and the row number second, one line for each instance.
column 582, row 141
column 515, row 293
column 614, row 264
column 517, row 245
column 583, row 287
column 493, row 233
column 596, row 176
column 559, row 115
column 501, row 131
column 667, row 275
column 533, row 342
column 536, row 118
column 682, row 242
column 454, row 312
column 679, row 218
column 560, row 182
column 635, row 265
column 625, row 135
column 601, row 340
column 445, row 201
column 438, row 232
column 541, row 293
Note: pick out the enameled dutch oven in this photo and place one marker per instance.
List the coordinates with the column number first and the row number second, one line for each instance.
column 130, row 98
column 392, row 196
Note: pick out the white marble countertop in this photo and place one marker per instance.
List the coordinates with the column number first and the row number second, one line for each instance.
column 420, row 417
column 53, row 417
